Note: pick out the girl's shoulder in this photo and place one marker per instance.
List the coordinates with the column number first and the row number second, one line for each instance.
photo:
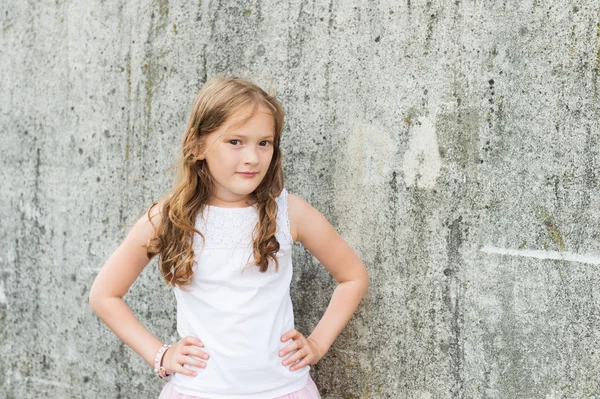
column 294, row 209
column 301, row 214
column 294, row 202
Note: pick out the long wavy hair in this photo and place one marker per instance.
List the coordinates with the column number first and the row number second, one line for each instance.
column 173, row 236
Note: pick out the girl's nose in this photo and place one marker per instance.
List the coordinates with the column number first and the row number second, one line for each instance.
column 250, row 155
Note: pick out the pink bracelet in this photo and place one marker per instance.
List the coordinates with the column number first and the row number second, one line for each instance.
column 162, row 372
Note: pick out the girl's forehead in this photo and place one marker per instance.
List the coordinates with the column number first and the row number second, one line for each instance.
column 247, row 111
column 241, row 116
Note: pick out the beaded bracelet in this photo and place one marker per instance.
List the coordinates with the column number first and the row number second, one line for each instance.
column 162, row 372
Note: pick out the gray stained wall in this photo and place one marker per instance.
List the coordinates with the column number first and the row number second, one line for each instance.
column 453, row 144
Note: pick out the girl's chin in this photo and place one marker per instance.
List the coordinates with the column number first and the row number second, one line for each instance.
column 245, row 189
column 243, row 186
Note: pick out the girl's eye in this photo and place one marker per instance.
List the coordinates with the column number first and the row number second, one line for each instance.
column 265, row 143
column 234, row 142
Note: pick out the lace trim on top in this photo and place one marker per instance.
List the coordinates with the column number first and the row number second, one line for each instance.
column 232, row 227
column 283, row 218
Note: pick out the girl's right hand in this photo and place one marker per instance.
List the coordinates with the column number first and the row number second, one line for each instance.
column 181, row 353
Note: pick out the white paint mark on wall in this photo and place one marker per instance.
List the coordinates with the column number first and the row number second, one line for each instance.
column 363, row 170
column 422, row 161
column 539, row 254
column 50, row 382
column 422, row 395
column 370, row 154
column 2, row 295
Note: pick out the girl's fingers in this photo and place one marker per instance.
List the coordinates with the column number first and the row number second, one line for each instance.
column 296, row 356
column 185, row 359
column 300, row 364
column 289, row 335
column 189, row 340
column 184, row 371
column 191, row 350
column 293, row 346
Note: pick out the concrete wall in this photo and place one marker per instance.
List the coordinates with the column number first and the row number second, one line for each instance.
column 453, row 144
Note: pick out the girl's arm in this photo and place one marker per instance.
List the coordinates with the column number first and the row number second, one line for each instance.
column 318, row 236
column 112, row 283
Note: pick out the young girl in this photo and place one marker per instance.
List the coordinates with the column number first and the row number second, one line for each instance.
column 224, row 237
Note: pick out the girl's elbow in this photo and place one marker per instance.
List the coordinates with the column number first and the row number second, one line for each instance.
column 362, row 280
column 95, row 297
column 365, row 281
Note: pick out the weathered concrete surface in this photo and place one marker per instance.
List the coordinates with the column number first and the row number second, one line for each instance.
column 446, row 141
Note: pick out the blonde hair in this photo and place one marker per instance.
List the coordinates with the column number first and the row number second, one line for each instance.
column 219, row 98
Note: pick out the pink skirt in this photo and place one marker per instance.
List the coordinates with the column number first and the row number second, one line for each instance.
column 308, row 392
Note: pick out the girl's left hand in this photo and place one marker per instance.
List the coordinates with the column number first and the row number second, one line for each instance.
column 307, row 350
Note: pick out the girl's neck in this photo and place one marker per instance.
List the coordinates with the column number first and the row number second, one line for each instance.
column 246, row 202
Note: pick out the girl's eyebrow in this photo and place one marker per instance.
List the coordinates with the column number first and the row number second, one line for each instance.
column 243, row 136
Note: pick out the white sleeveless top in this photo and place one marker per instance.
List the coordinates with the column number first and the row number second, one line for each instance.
column 239, row 315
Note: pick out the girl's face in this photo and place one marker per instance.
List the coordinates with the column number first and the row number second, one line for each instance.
column 238, row 157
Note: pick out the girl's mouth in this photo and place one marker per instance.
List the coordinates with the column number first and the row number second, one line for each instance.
column 248, row 174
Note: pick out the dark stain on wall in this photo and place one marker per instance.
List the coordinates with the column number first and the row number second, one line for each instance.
column 453, row 295
column 458, row 137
